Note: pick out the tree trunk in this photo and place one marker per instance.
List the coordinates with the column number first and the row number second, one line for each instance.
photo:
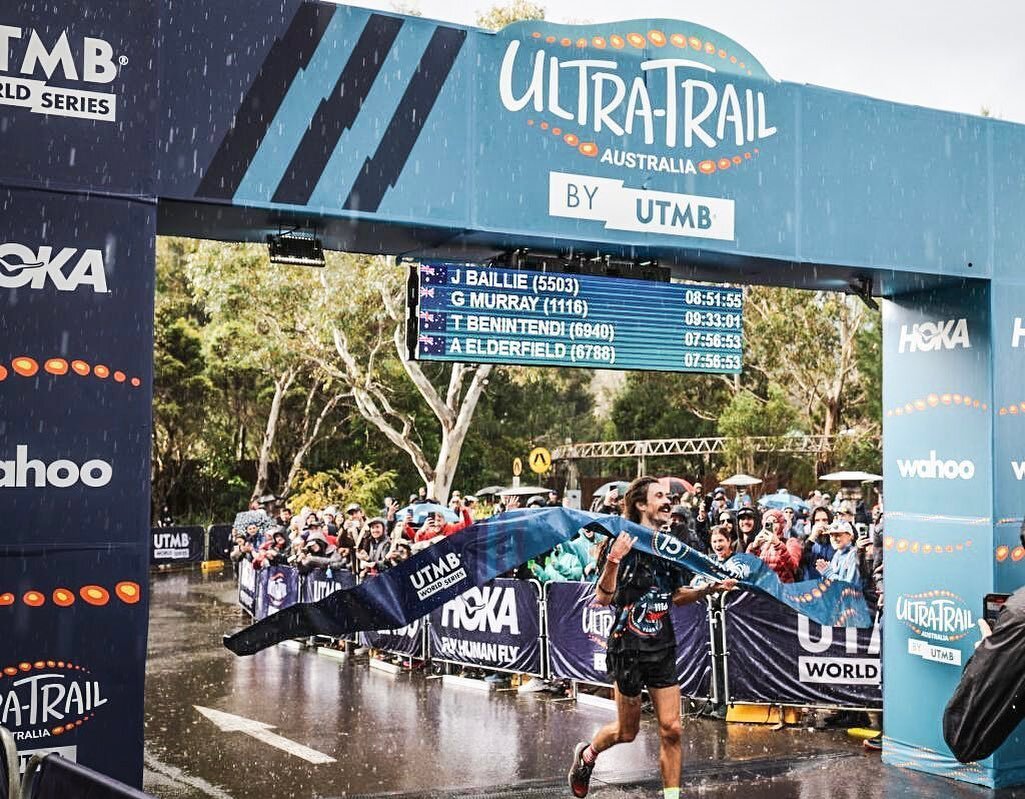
column 281, row 386
column 310, row 435
column 453, row 437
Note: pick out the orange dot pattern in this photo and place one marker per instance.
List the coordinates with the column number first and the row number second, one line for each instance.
column 911, row 546
column 944, row 400
column 1012, row 410
column 638, row 41
column 590, row 149
column 1006, row 554
column 96, row 595
column 25, row 366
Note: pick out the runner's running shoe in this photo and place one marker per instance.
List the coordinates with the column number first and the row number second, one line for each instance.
column 580, row 772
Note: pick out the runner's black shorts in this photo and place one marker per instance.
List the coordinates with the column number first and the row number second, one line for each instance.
column 632, row 671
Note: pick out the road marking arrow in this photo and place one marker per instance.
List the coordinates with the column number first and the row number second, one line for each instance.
column 227, row 722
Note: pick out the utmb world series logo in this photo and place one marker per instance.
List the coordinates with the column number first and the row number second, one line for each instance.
column 30, row 66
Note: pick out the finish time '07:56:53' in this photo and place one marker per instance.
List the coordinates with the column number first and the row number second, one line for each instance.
column 711, row 360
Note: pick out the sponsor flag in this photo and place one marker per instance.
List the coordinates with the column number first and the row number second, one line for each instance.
column 491, row 547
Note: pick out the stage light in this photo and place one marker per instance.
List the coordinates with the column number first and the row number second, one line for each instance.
column 296, row 249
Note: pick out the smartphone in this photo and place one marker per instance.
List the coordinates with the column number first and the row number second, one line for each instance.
column 992, row 604
column 862, row 530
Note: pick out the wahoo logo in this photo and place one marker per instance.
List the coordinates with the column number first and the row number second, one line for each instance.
column 67, row 269
column 936, row 615
column 933, row 336
column 932, row 468
column 1018, row 467
column 25, row 77
column 434, row 577
column 1017, row 333
column 24, row 473
column 487, row 609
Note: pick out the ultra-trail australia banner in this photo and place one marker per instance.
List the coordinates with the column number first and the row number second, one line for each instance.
column 497, row 625
column 176, row 545
column 76, row 320
column 578, row 630
column 779, row 656
column 478, row 554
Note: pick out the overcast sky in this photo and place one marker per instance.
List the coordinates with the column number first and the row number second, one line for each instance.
column 952, row 55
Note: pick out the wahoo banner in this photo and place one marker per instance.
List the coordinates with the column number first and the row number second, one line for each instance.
column 489, row 548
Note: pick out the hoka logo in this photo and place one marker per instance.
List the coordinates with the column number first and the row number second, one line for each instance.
column 487, row 609
column 67, row 268
column 932, row 468
column 933, row 336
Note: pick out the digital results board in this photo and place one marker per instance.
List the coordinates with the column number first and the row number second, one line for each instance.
column 477, row 314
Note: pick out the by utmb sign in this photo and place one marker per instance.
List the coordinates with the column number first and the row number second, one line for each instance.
column 391, row 134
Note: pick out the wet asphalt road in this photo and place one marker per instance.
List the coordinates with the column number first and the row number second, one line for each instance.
column 408, row 736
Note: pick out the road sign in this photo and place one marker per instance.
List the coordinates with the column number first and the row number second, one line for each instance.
column 228, row 722
column 517, row 467
column 472, row 313
column 540, row 460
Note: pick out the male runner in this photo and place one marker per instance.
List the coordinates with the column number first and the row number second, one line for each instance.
column 642, row 645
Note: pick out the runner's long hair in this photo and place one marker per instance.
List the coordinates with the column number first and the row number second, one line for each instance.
column 636, row 492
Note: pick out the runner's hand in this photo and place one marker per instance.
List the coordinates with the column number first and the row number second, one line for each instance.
column 624, row 543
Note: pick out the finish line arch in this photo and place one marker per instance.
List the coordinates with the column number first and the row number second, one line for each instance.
column 401, row 135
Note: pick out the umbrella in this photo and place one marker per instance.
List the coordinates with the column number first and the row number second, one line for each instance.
column 676, row 485
column 422, row 510
column 781, row 499
column 853, row 477
column 522, row 491
column 740, row 480
column 489, row 491
column 602, row 490
column 247, row 517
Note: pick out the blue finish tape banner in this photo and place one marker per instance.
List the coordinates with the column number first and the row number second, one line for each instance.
column 578, row 629
column 171, row 545
column 482, row 314
column 277, row 588
column 408, row 640
column 779, row 656
column 486, row 549
column 497, row 625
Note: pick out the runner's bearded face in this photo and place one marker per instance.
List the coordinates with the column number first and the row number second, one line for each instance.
column 655, row 512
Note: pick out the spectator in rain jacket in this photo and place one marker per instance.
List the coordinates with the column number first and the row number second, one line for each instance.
column 561, row 565
column 782, row 556
column 273, row 552
column 318, row 554
column 816, row 546
column 845, row 563
column 374, row 546
column 585, row 545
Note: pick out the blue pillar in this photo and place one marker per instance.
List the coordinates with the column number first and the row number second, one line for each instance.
column 951, row 537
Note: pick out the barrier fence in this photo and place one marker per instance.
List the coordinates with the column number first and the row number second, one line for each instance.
column 741, row 648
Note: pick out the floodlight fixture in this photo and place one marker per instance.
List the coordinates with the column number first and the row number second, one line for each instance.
column 295, row 248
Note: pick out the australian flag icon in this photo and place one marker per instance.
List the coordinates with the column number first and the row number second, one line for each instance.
column 431, row 345
column 433, row 274
column 432, row 321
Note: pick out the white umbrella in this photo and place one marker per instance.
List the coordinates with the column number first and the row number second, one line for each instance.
column 853, row 477
column 522, row 491
column 740, row 480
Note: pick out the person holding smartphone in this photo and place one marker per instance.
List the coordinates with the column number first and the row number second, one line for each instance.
column 844, row 565
column 641, row 651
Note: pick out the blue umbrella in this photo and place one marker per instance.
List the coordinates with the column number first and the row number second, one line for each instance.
column 424, row 509
column 781, row 499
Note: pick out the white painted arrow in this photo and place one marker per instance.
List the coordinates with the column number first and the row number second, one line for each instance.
column 227, row 722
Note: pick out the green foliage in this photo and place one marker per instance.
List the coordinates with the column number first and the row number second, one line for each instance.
column 360, row 483
column 498, row 16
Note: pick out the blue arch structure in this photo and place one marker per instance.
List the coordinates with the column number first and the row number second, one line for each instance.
column 402, row 135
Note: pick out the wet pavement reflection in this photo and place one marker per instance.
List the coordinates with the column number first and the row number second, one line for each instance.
column 407, row 735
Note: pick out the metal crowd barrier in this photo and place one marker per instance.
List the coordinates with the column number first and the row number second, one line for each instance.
column 743, row 648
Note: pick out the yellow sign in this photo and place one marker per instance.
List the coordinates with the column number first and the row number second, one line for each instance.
column 517, row 467
column 540, row 460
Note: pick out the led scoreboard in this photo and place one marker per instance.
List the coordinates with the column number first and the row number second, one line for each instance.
column 475, row 314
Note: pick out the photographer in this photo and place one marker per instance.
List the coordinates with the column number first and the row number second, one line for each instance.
column 273, row 552
column 318, row 554
column 779, row 555
column 373, row 549
column 816, row 546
